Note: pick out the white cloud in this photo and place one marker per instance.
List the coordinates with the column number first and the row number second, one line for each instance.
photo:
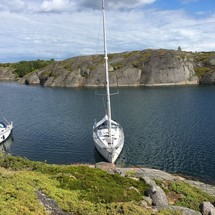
column 129, row 4
column 56, row 5
column 71, row 5
column 62, row 35
column 59, row 6
column 12, row 5
column 113, row 4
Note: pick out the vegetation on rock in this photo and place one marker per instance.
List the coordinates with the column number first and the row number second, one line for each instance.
column 200, row 71
column 202, row 60
column 83, row 189
column 183, row 194
column 151, row 67
column 78, row 189
column 22, row 68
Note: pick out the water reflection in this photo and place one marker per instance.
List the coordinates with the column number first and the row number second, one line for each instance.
column 5, row 146
column 169, row 128
column 97, row 156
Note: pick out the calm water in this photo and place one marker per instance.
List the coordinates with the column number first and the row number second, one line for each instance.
column 170, row 128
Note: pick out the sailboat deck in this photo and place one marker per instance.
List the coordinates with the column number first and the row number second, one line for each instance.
column 102, row 133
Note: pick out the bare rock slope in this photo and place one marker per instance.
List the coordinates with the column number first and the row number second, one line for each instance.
column 137, row 68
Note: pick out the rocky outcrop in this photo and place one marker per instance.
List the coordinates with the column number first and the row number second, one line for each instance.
column 50, row 205
column 167, row 68
column 31, row 78
column 137, row 68
column 207, row 208
column 142, row 68
column 6, row 73
column 148, row 67
column 208, row 78
column 158, row 196
column 183, row 210
column 155, row 198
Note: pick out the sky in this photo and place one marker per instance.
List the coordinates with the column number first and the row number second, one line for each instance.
column 61, row 29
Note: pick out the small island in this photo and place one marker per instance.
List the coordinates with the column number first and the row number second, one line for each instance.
column 149, row 67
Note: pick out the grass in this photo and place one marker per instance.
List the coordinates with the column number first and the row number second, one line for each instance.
column 83, row 190
column 117, row 65
column 200, row 71
column 169, row 212
column 18, row 192
column 80, row 189
column 203, row 56
column 183, row 194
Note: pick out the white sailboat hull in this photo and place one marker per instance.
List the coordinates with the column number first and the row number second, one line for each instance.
column 110, row 149
column 5, row 132
column 110, row 157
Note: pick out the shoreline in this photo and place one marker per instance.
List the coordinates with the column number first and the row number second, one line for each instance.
column 183, row 83
column 156, row 174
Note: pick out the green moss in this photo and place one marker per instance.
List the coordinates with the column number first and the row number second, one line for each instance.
column 117, row 65
column 130, row 173
column 17, row 193
column 193, row 197
column 170, row 212
column 200, row 71
column 91, row 67
column 67, row 67
column 190, row 196
column 80, row 189
column 130, row 54
column 203, row 56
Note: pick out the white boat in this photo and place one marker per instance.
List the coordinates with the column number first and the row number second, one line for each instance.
column 5, row 130
column 108, row 135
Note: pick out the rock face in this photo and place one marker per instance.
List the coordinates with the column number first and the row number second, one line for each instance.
column 137, row 68
column 184, row 211
column 207, row 208
column 166, row 68
column 158, row 196
column 142, row 68
column 31, row 78
column 212, row 60
column 208, row 78
column 6, row 73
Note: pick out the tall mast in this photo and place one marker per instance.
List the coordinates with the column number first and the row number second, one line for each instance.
column 106, row 72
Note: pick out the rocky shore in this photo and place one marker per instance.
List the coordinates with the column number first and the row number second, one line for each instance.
column 138, row 68
column 156, row 197
column 30, row 187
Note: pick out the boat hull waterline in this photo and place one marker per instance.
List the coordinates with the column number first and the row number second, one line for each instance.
column 5, row 131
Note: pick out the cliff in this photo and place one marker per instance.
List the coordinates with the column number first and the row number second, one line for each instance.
column 137, row 68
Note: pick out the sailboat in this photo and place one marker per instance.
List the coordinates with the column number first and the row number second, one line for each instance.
column 5, row 130
column 108, row 135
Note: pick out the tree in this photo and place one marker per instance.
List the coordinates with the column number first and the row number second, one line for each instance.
column 179, row 49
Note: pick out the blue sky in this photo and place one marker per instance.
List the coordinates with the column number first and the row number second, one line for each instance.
column 59, row 29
